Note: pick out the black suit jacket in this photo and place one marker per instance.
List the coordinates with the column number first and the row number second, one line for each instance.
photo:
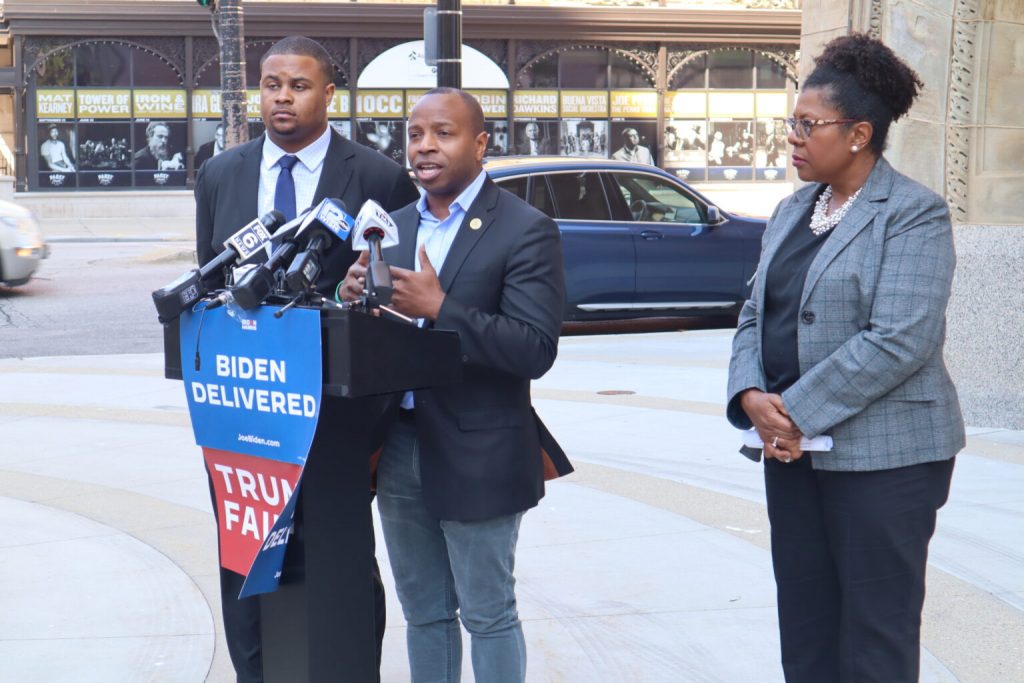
column 484, row 452
column 227, row 188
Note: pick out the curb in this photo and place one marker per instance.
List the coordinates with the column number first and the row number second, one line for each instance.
column 71, row 239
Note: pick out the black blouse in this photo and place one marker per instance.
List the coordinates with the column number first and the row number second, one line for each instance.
column 784, row 286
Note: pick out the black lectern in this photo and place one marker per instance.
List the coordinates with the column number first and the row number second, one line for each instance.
column 319, row 624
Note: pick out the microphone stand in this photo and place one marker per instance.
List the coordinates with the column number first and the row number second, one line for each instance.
column 379, row 287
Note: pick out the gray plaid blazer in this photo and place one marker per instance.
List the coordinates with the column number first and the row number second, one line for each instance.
column 871, row 331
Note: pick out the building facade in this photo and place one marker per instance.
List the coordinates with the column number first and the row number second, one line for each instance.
column 125, row 94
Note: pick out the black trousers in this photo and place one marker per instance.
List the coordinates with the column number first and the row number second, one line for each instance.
column 849, row 551
column 242, row 619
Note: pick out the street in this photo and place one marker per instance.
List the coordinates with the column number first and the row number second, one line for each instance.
column 90, row 298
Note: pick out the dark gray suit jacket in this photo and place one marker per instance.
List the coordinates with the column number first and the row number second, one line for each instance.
column 227, row 196
column 484, row 452
column 871, row 331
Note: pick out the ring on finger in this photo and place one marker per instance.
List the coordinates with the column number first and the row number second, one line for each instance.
column 775, row 442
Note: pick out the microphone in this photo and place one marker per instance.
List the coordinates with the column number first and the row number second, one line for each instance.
column 289, row 229
column 258, row 283
column 245, row 243
column 172, row 299
column 375, row 230
column 325, row 225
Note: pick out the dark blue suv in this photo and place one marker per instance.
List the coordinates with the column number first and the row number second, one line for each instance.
column 637, row 242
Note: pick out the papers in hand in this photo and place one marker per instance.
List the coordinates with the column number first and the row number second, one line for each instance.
column 751, row 439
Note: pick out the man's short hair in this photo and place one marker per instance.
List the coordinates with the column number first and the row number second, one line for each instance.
column 626, row 132
column 476, row 112
column 304, row 47
column 153, row 125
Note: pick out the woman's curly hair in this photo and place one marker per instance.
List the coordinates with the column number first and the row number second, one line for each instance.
column 865, row 80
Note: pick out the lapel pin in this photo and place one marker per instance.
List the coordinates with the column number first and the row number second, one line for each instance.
column 475, row 224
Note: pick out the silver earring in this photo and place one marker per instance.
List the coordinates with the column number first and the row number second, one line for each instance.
column 854, row 148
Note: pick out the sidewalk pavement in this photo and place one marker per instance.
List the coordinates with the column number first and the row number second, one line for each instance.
column 648, row 564
column 114, row 229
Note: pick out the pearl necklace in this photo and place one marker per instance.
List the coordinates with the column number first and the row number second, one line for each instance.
column 821, row 220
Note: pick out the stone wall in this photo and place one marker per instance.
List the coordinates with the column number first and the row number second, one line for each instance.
column 985, row 342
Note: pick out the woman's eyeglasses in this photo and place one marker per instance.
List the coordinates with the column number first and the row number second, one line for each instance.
column 804, row 127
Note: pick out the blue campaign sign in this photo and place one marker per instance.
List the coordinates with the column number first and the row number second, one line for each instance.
column 257, row 388
column 265, row 573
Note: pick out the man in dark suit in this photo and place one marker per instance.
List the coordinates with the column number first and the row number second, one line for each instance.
column 297, row 163
column 462, row 463
column 210, row 149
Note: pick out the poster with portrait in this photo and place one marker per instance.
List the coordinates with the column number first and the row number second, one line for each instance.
column 58, row 163
column 686, row 148
column 343, row 127
column 584, row 138
column 731, row 150
column 104, row 154
column 497, row 138
column 535, row 138
column 772, row 153
column 386, row 136
column 635, row 141
column 159, row 154
column 207, row 139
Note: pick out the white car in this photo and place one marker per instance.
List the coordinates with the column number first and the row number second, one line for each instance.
column 21, row 244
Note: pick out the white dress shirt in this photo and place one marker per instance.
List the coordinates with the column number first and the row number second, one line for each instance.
column 306, row 172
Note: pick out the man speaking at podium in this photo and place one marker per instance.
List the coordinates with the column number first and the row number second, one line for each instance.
column 297, row 163
column 463, row 462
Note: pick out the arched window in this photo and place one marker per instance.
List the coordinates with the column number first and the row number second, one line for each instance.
column 724, row 116
column 584, row 67
column 589, row 101
column 109, row 114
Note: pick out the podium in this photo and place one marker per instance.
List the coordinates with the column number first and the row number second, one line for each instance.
column 319, row 625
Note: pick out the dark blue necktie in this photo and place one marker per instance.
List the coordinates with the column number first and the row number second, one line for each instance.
column 284, row 193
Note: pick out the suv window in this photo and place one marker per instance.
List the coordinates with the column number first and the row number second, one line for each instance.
column 540, row 196
column 516, row 186
column 579, row 196
column 651, row 198
column 536, row 187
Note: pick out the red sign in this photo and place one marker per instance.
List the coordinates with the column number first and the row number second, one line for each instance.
column 250, row 493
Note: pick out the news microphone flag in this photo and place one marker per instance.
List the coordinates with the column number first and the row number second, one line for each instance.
column 330, row 213
column 373, row 218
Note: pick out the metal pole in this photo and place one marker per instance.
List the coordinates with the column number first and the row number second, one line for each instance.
column 20, row 170
column 449, row 43
column 231, row 35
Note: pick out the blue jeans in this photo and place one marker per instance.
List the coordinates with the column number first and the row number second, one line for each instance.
column 445, row 570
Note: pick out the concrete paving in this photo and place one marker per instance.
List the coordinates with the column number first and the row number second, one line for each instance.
column 649, row 564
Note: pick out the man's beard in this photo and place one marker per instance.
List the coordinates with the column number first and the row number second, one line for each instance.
column 159, row 151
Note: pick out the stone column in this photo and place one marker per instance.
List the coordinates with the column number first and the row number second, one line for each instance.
column 964, row 138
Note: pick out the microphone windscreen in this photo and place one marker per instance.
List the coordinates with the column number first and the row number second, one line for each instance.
column 373, row 218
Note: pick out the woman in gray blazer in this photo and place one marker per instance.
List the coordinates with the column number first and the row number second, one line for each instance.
column 843, row 336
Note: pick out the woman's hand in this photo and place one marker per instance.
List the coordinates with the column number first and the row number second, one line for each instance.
column 780, row 435
column 786, row 450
